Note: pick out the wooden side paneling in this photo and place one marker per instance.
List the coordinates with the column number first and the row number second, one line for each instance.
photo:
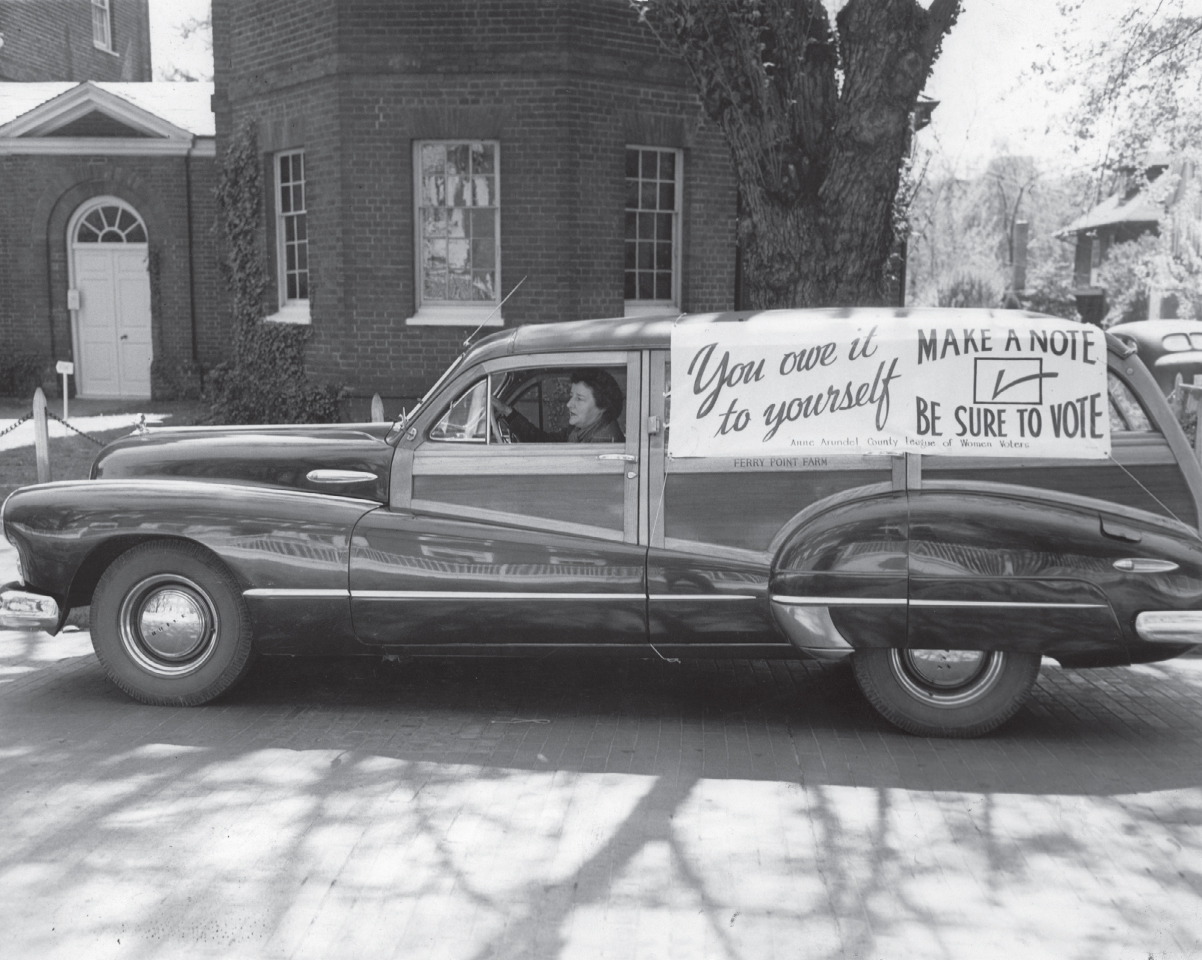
column 747, row 510
column 595, row 500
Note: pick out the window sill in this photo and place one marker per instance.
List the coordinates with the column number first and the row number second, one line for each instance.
column 103, row 49
column 649, row 308
column 455, row 315
column 297, row 312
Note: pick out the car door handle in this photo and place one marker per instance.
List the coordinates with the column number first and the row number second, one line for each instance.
column 340, row 476
column 1143, row 565
column 626, row 457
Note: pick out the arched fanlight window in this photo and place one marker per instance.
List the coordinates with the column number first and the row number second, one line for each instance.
column 110, row 223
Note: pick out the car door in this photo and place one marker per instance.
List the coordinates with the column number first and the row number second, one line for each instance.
column 490, row 544
column 715, row 525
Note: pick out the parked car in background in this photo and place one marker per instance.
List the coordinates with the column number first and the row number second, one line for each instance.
column 1166, row 347
column 943, row 578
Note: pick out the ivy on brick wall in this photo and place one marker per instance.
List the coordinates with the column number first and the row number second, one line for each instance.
column 264, row 381
column 22, row 373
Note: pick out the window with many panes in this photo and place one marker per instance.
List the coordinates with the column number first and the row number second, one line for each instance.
column 292, row 235
column 652, row 275
column 102, row 24
column 458, row 231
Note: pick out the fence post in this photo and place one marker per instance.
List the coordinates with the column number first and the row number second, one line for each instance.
column 377, row 409
column 41, row 436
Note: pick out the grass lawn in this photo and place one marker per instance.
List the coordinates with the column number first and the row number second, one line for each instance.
column 71, row 457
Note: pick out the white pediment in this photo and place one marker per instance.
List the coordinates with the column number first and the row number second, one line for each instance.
column 82, row 100
column 106, row 119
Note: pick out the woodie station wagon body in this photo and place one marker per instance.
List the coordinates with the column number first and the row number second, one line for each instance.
column 944, row 578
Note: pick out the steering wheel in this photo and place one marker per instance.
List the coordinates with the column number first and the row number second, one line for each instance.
column 499, row 427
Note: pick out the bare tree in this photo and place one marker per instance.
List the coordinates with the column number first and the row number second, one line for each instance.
column 202, row 29
column 818, row 119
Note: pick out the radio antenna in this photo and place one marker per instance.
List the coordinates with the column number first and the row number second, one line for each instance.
column 468, row 342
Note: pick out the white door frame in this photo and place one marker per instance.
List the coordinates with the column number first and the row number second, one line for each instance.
column 106, row 200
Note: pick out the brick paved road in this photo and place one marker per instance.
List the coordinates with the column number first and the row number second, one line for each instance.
column 533, row 810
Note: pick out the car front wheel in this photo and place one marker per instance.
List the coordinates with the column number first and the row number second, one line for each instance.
column 945, row 693
column 169, row 625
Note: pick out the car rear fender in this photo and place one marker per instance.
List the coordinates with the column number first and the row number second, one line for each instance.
column 1047, row 545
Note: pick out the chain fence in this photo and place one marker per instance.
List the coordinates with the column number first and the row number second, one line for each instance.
column 29, row 416
column 11, row 427
column 99, row 443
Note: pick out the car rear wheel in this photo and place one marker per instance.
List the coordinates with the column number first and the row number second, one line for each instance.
column 169, row 625
column 945, row 693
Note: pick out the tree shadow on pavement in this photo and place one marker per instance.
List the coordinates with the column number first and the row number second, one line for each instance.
column 532, row 809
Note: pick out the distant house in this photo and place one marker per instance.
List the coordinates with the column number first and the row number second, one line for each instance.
column 1128, row 214
column 107, row 246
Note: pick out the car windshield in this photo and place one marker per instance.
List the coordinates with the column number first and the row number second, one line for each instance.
column 446, row 375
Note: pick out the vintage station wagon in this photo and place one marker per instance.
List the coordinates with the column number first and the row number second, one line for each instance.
column 944, row 579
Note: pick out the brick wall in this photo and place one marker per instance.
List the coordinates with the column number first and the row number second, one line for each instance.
column 52, row 40
column 564, row 87
column 38, row 195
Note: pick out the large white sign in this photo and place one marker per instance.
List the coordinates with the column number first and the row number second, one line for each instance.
column 975, row 384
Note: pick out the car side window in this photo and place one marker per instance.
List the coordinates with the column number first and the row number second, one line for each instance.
column 1127, row 414
column 466, row 420
column 585, row 404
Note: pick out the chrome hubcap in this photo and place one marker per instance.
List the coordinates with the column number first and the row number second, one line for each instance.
column 945, row 668
column 173, row 623
column 168, row 625
column 947, row 678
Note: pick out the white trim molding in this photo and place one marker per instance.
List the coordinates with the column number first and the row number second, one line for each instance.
column 461, row 315
column 107, row 146
column 295, row 312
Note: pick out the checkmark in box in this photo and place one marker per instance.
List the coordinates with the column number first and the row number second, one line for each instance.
column 1009, row 381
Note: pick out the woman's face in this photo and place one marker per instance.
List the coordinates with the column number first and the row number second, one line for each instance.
column 582, row 406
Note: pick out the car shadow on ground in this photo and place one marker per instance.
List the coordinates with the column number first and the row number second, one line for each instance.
column 1089, row 732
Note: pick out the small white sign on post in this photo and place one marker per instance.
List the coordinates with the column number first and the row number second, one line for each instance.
column 66, row 368
column 971, row 385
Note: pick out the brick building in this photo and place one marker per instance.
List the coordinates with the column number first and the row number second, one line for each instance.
column 423, row 158
column 74, row 40
column 106, row 206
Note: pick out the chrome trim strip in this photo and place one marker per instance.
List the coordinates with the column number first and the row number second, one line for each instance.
column 840, row 601
column 485, row 595
column 702, row 596
column 272, row 593
column 1006, row 603
column 885, row 601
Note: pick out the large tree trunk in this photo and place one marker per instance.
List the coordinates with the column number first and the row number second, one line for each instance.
column 818, row 123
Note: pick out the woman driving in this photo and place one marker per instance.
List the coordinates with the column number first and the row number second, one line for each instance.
column 594, row 407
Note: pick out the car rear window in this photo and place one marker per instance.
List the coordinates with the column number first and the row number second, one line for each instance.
column 1127, row 414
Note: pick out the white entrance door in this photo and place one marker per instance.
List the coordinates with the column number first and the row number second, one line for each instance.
column 113, row 320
